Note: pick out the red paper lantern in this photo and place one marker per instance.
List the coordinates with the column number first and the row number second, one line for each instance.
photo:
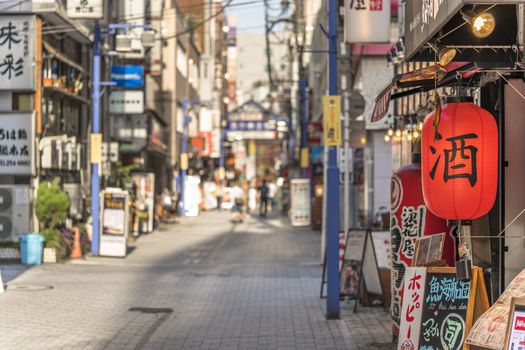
column 409, row 220
column 460, row 161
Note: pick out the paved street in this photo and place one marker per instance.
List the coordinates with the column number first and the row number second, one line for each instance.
column 203, row 283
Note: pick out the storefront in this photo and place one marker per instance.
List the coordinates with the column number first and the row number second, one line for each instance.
column 455, row 53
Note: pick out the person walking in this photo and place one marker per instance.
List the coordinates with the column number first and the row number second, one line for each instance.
column 263, row 198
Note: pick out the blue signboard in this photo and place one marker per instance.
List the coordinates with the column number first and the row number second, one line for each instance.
column 130, row 76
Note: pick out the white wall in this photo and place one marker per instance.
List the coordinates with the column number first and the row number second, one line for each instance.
column 514, row 178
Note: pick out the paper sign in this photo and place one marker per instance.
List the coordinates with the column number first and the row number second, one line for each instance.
column 96, row 148
column 332, row 120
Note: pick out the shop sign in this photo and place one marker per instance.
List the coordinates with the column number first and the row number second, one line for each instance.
column 114, row 223
column 367, row 21
column 251, row 135
column 126, row 102
column 131, row 76
column 332, row 121
column 17, row 47
column 250, row 126
column 17, row 150
column 89, row 9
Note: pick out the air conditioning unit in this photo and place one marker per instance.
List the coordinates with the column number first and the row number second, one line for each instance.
column 15, row 202
column 148, row 38
column 51, row 152
column 123, row 43
column 74, row 193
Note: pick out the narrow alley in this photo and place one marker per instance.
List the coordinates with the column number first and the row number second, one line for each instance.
column 202, row 284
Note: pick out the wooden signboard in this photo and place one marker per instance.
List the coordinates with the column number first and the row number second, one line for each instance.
column 438, row 310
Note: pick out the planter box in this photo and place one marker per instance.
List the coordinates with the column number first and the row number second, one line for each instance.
column 9, row 253
column 50, row 256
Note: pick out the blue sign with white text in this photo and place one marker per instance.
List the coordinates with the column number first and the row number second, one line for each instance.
column 130, row 76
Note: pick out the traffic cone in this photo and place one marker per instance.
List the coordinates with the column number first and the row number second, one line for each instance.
column 76, row 252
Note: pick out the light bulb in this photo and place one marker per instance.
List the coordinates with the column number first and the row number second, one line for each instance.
column 483, row 25
column 420, row 126
column 415, row 134
column 390, row 132
column 398, row 133
column 387, row 138
column 409, row 137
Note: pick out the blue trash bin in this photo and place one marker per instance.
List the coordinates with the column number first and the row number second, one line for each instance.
column 31, row 249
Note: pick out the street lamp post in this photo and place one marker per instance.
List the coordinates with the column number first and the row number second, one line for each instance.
column 303, row 85
column 332, row 174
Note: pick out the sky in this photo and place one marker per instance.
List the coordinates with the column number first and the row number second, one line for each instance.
column 250, row 14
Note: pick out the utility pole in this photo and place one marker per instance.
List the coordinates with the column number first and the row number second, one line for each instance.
column 303, row 93
column 183, row 157
column 332, row 174
column 95, row 129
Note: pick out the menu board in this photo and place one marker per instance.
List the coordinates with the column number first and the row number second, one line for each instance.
column 438, row 310
column 383, row 248
column 351, row 268
column 443, row 321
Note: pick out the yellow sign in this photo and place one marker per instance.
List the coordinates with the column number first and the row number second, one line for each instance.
column 305, row 157
column 96, row 148
column 332, row 121
column 184, row 161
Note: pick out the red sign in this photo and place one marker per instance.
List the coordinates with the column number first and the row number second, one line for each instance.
column 206, row 150
column 197, row 143
column 520, row 324
column 315, row 133
column 460, row 161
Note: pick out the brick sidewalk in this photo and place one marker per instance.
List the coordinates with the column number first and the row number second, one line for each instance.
column 250, row 286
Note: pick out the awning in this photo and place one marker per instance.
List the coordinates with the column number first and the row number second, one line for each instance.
column 420, row 80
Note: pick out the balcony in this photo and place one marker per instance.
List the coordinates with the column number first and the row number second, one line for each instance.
column 55, row 14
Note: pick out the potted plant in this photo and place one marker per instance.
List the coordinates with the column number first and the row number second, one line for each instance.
column 51, row 208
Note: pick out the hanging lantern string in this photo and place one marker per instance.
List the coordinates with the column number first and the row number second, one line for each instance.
column 504, row 229
column 512, row 86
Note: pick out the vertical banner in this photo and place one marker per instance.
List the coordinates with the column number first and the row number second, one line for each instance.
column 17, row 52
column 367, row 21
column 412, row 311
column 332, row 121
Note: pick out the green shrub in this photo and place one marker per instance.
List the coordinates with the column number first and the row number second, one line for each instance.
column 51, row 205
column 52, row 237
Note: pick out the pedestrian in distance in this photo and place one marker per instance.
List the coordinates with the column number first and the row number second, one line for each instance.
column 263, row 199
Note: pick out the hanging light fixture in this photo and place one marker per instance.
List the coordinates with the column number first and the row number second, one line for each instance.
column 482, row 25
column 390, row 132
column 445, row 54
column 415, row 134
column 409, row 135
column 387, row 138
column 398, row 133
